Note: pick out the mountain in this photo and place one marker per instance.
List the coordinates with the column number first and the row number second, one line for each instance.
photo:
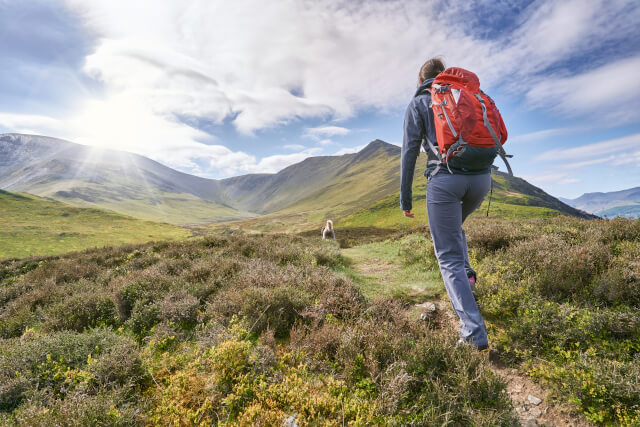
column 300, row 195
column 31, row 225
column 624, row 203
column 122, row 182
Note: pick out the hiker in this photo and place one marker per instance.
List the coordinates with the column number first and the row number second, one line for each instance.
column 328, row 229
column 457, row 182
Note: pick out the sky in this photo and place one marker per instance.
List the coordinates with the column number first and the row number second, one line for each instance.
column 224, row 88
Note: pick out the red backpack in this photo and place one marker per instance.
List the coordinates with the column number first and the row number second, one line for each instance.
column 469, row 128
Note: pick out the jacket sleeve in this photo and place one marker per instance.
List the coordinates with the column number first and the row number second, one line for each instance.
column 411, row 141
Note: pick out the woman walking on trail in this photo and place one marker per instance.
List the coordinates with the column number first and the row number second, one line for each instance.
column 454, row 190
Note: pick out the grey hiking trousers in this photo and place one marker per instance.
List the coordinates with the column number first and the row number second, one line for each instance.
column 450, row 199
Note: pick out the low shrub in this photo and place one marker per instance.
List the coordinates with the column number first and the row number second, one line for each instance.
column 418, row 250
column 564, row 302
column 47, row 362
column 261, row 308
column 181, row 308
column 81, row 311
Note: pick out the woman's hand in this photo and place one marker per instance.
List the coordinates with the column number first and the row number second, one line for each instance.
column 408, row 213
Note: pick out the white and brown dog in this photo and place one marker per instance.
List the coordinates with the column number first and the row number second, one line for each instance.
column 328, row 230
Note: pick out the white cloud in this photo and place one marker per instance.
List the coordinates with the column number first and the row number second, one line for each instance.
column 325, row 142
column 594, row 150
column 30, row 123
column 629, row 158
column 349, row 150
column 294, row 147
column 327, row 131
column 541, row 135
column 611, row 93
column 551, row 177
column 275, row 163
column 265, row 64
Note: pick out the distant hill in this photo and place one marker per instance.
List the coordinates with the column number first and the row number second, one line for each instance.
column 31, row 225
column 625, row 203
column 301, row 195
column 123, row 182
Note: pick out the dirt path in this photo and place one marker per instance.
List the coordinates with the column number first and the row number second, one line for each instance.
column 530, row 400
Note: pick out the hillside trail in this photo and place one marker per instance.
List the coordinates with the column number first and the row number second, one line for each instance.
column 379, row 272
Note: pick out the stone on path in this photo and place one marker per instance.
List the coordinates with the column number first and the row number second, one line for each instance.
column 534, row 400
column 428, row 307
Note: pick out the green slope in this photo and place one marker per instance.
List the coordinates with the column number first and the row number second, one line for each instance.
column 512, row 198
column 106, row 179
column 327, row 188
column 364, row 191
column 30, row 225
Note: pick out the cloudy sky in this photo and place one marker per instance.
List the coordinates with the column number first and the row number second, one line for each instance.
column 222, row 88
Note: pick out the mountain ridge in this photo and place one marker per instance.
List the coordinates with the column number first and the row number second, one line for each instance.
column 612, row 203
column 319, row 186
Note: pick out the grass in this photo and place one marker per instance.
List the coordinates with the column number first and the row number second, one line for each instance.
column 255, row 329
column 137, row 199
column 560, row 298
column 377, row 269
column 244, row 330
column 30, row 225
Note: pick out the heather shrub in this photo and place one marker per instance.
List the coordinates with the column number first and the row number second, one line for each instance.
column 78, row 409
column 418, row 250
column 173, row 266
column 487, row 236
column 338, row 297
column 140, row 261
column 14, row 320
column 46, row 361
column 144, row 316
column 261, row 308
column 606, row 390
column 237, row 330
column 619, row 229
column 80, row 311
column 564, row 302
column 63, row 271
column 119, row 366
column 180, row 308
column 558, row 269
column 139, row 287
column 620, row 283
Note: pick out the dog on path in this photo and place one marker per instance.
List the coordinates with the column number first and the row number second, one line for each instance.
column 328, row 230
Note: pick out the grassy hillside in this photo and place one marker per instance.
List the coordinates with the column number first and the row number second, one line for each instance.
column 130, row 192
column 106, row 179
column 226, row 331
column 366, row 193
column 255, row 330
column 30, row 225
column 512, row 198
column 320, row 186
column 561, row 298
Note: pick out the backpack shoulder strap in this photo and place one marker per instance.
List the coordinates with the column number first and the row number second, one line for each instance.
column 501, row 151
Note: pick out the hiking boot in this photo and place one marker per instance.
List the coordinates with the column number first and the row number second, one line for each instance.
column 472, row 280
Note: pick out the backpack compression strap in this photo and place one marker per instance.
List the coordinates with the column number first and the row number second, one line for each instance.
column 437, row 163
column 487, row 124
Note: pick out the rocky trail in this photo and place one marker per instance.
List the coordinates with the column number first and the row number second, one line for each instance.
column 530, row 400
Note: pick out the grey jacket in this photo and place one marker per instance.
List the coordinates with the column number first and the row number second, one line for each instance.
column 418, row 122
